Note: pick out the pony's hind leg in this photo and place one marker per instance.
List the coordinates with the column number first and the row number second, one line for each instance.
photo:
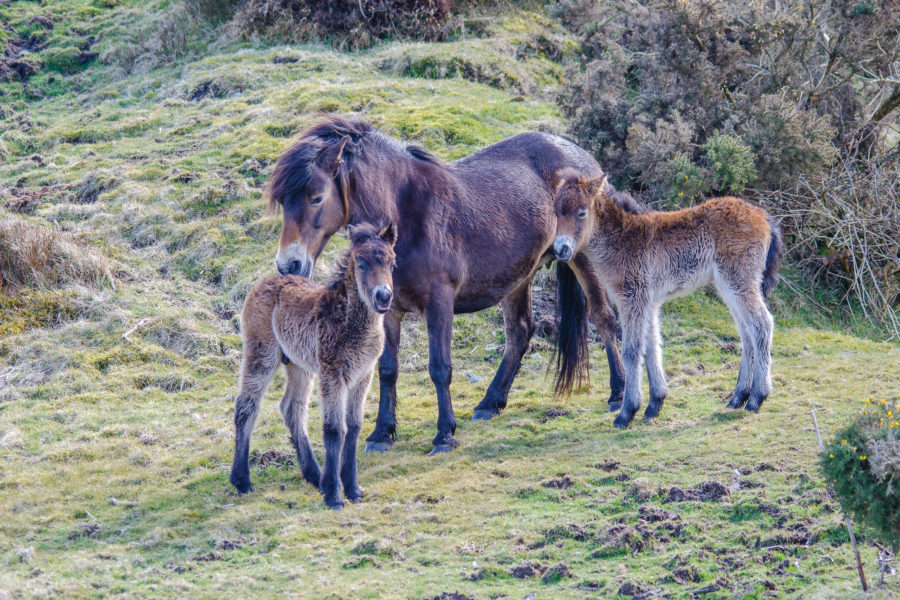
column 334, row 427
column 656, row 376
column 356, row 400
column 294, row 411
column 741, row 313
column 518, row 321
column 635, row 326
column 763, row 327
column 261, row 360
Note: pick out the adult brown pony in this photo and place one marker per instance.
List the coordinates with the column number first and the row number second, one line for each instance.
column 471, row 234
column 645, row 257
column 335, row 332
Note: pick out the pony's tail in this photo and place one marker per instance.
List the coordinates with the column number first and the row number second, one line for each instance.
column 773, row 258
column 572, row 356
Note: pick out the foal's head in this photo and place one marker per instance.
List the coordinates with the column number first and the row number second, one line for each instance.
column 574, row 203
column 372, row 258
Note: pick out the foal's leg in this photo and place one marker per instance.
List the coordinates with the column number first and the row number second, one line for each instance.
column 518, row 321
column 356, row 400
column 334, row 426
column 764, row 327
column 656, row 376
column 439, row 319
column 635, row 314
column 385, row 431
column 294, row 411
column 742, row 318
column 604, row 320
column 260, row 362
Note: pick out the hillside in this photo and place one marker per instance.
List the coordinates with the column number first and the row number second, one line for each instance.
column 135, row 143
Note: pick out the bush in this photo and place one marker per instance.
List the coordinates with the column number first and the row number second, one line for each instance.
column 863, row 465
column 349, row 24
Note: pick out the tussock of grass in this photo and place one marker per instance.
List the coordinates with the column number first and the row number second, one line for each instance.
column 41, row 257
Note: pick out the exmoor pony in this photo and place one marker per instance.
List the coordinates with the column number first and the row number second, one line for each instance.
column 645, row 257
column 335, row 331
column 471, row 234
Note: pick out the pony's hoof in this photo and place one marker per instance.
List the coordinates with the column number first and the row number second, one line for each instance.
column 442, row 449
column 242, row 487
column 379, row 447
column 355, row 499
column 622, row 421
column 738, row 399
column 484, row 414
column 754, row 404
column 615, row 406
column 336, row 505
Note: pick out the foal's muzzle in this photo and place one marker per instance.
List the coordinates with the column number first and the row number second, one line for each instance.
column 381, row 298
column 564, row 248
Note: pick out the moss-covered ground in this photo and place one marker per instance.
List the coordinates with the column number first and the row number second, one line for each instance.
column 147, row 136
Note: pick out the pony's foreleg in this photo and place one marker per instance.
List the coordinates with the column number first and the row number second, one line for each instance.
column 294, row 411
column 604, row 320
column 388, row 367
column 260, row 362
column 334, row 428
column 656, row 376
column 439, row 319
column 763, row 327
column 518, row 321
column 635, row 325
column 356, row 400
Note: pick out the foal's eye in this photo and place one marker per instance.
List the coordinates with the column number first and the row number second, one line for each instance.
column 582, row 213
column 363, row 265
column 316, row 200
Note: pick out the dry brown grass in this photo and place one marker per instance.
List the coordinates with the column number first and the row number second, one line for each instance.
column 42, row 257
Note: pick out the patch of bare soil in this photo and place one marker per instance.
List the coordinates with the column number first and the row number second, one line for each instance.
column 554, row 413
column 560, row 483
column 274, row 458
column 608, row 465
column 527, row 569
column 708, row 491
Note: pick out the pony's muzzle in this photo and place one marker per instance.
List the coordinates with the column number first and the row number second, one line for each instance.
column 294, row 260
column 381, row 298
column 563, row 248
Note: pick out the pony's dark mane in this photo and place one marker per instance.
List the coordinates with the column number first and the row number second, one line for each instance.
column 624, row 200
column 292, row 171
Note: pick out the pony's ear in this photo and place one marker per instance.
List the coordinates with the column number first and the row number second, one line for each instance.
column 351, row 231
column 389, row 234
column 331, row 158
column 595, row 185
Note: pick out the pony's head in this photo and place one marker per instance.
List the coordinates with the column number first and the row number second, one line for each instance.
column 310, row 184
column 576, row 195
column 372, row 258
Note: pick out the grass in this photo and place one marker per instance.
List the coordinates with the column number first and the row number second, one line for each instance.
column 154, row 165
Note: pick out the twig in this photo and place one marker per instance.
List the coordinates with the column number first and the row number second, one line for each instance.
column 117, row 502
column 847, row 524
column 137, row 326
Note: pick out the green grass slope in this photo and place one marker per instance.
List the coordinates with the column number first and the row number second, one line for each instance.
column 131, row 172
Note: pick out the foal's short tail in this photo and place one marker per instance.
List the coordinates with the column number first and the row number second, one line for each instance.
column 773, row 258
column 572, row 356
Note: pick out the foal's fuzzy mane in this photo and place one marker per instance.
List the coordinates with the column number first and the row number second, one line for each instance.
column 624, row 200
column 292, row 171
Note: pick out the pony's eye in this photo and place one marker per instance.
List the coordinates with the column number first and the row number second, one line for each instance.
column 316, row 200
column 582, row 213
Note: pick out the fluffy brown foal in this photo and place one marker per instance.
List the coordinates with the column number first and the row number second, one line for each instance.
column 334, row 331
column 644, row 257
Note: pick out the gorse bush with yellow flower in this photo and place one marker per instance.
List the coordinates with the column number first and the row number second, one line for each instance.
column 863, row 465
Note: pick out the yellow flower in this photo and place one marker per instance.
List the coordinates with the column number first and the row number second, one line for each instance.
column 862, row 457
column 831, row 456
column 844, row 442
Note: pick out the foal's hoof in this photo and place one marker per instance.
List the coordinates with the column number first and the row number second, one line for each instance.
column 378, row 446
column 336, row 506
column 738, row 399
column 484, row 414
column 442, row 449
column 242, row 486
column 754, row 403
column 615, row 406
column 622, row 421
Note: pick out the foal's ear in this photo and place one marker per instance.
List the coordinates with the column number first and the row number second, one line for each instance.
column 595, row 185
column 389, row 234
column 331, row 158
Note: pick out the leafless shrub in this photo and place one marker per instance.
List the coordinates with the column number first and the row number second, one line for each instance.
column 846, row 230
